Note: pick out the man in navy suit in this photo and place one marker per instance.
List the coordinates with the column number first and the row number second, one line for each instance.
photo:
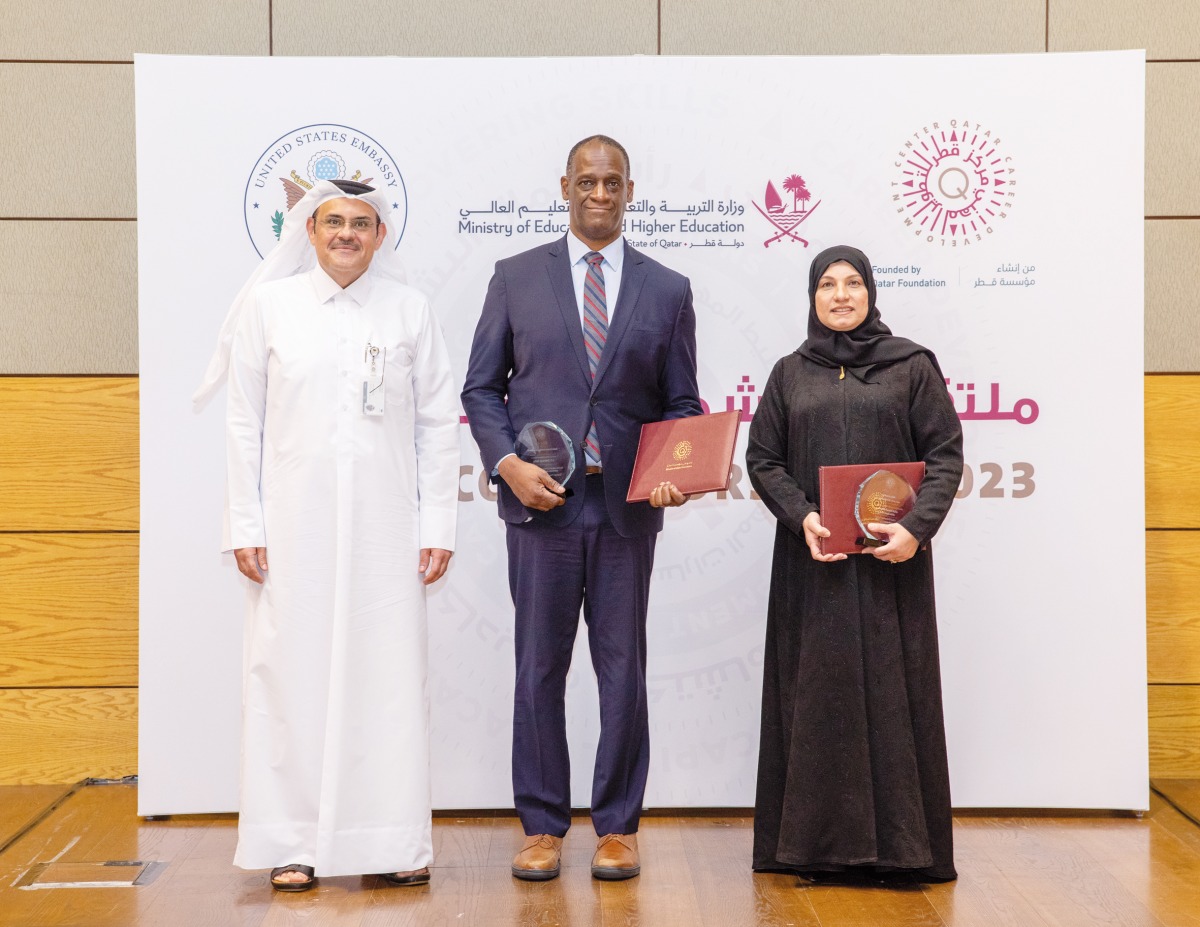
column 596, row 337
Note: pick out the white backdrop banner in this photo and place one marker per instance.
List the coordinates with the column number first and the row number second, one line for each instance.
column 1000, row 199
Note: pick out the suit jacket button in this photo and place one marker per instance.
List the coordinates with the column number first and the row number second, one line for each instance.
column 591, row 402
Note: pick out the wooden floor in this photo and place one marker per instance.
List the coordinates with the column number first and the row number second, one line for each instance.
column 1014, row 871
column 1184, row 794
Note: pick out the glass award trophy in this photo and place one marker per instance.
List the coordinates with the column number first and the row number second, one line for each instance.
column 883, row 498
column 548, row 446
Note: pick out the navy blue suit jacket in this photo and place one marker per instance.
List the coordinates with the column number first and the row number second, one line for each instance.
column 528, row 364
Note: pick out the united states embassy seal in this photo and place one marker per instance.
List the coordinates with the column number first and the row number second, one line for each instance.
column 955, row 183
column 292, row 163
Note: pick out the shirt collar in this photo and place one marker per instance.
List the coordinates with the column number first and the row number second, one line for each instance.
column 614, row 251
column 327, row 288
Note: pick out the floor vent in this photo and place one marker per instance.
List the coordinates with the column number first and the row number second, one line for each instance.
column 110, row 874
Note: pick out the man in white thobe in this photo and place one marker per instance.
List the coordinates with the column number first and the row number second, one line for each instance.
column 343, row 465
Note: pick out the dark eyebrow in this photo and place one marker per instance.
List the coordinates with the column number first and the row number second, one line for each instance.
column 588, row 175
column 371, row 214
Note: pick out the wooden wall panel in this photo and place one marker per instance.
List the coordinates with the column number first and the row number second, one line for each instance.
column 68, row 454
column 64, row 735
column 68, row 602
column 1173, row 606
column 68, row 610
column 1173, row 451
column 1174, row 732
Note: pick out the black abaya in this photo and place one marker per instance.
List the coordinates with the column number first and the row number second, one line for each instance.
column 852, row 763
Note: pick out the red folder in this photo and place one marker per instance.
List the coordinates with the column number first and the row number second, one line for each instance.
column 694, row 453
column 855, row 495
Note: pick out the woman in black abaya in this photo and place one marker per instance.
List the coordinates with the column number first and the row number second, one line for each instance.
column 852, row 774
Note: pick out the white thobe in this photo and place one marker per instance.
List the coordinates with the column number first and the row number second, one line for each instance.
column 335, row 741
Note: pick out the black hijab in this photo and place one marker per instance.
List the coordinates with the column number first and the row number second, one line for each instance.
column 861, row 349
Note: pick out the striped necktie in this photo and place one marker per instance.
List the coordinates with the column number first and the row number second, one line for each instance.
column 595, row 333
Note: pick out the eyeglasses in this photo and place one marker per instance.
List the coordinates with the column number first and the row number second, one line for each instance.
column 337, row 223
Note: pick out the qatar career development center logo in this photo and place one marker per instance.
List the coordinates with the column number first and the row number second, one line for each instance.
column 323, row 151
column 785, row 220
column 956, row 183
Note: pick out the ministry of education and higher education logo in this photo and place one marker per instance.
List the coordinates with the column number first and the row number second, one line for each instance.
column 324, row 151
column 783, row 219
column 955, row 183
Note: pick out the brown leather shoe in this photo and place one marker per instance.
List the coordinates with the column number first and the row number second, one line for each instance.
column 616, row 857
column 539, row 858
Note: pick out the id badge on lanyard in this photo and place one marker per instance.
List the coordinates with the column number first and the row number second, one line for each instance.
column 374, row 367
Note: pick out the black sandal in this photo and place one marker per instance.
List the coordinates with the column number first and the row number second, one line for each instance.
column 304, row 886
column 417, row 877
